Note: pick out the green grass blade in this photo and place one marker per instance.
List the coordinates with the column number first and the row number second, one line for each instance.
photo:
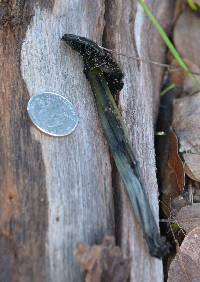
column 167, row 89
column 192, row 5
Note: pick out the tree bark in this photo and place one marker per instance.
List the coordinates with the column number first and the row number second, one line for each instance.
column 56, row 192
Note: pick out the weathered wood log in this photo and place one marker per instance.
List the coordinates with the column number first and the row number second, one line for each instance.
column 125, row 21
column 55, row 192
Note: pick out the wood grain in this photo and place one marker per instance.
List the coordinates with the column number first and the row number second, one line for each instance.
column 55, row 192
column 137, row 100
column 78, row 171
column 23, row 195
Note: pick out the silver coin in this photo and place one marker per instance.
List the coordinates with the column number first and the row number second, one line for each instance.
column 52, row 114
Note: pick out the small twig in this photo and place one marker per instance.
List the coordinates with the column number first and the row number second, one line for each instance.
column 149, row 61
column 172, row 218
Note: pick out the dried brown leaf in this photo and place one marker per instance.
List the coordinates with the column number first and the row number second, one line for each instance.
column 192, row 162
column 181, row 78
column 173, row 176
column 185, row 266
column 186, row 122
column 179, row 7
column 103, row 263
column 175, row 162
column 189, row 217
column 186, row 36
